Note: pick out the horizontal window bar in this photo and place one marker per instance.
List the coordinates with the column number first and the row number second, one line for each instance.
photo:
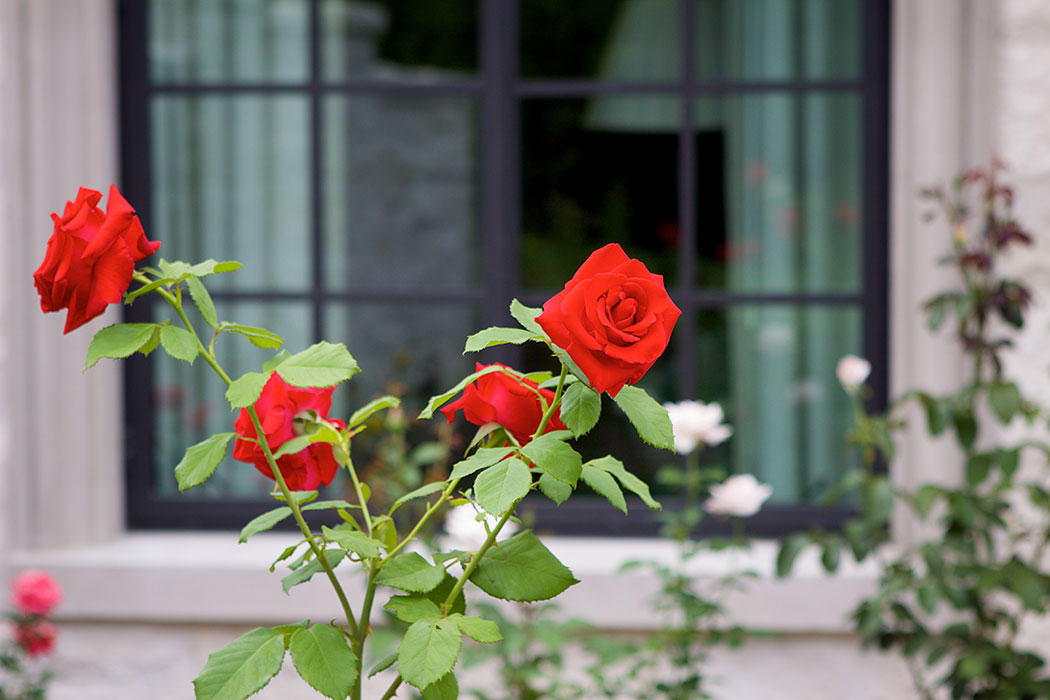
column 347, row 86
column 366, row 295
column 564, row 88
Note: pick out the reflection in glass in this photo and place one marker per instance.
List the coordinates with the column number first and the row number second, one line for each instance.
column 792, row 205
column 231, row 181
column 227, row 40
column 398, row 39
column 597, row 171
column 190, row 401
column 401, row 193
column 773, row 369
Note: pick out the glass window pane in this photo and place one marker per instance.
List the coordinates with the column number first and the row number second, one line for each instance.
column 779, row 193
column 189, row 402
column 227, row 40
column 401, row 193
column 632, row 40
column 772, row 368
column 776, row 39
column 595, row 171
column 231, row 182
column 399, row 39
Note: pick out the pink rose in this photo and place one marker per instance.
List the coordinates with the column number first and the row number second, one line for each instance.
column 35, row 593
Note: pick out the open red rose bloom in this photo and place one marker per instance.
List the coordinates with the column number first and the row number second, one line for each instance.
column 278, row 406
column 614, row 319
column 91, row 256
column 36, row 638
column 511, row 402
column 34, row 592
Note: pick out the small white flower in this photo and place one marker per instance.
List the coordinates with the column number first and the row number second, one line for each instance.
column 852, row 371
column 695, row 423
column 740, row 495
column 464, row 531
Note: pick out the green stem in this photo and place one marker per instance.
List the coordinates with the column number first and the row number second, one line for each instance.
column 476, row 559
column 278, row 477
column 554, row 404
column 359, row 492
column 431, row 509
column 392, row 689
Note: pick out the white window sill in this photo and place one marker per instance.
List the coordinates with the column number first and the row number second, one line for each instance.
column 209, row 578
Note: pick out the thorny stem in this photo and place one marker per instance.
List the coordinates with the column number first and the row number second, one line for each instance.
column 209, row 357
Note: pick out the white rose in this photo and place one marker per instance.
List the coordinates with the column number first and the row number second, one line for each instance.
column 695, row 423
column 464, row 531
column 852, row 371
column 740, row 495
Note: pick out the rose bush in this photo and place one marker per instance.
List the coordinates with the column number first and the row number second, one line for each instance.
column 91, row 256
column 34, row 592
column 35, row 638
column 614, row 319
column 510, row 401
column 285, row 411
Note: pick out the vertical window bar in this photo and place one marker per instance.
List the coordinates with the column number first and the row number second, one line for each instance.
column 500, row 168
column 685, row 331
column 316, row 195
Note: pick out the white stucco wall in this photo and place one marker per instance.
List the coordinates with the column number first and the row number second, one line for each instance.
column 970, row 78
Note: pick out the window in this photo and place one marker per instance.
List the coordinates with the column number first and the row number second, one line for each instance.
column 411, row 165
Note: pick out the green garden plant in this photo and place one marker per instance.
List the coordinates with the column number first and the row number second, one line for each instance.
column 605, row 329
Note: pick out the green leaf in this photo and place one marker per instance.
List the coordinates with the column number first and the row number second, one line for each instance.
column 831, row 554
column 478, row 629
column 422, row 492
column 383, row 664
column 174, row 269
column 925, row 497
column 275, row 361
column 581, row 406
column 362, row 414
column 410, row 572
column 320, row 365
column 241, row 668
column 259, row 337
column 299, row 497
column 500, row 487
column 603, row 483
column 554, row 457
column 522, row 569
column 629, row 481
column 444, row 688
column 305, row 573
column 428, row 651
column 649, row 418
column 485, row 457
column 118, row 341
column 927, row 598
column 245, row 390
column 557, row 491
column 264, row 522
column 413, row 608
column 293, row 446
column 200, row 460
column 526, row 316
column 439, row 400
column 1005, row 400
column 877, row 500
column 324, row 660
column 145, row 289
column 965, row 427
column 212, row 267
column 179, row 343
column 328, row 505
column 202, row 300
column 789, row 551
column 497, row 336
column 938, row 413
column 357, row 542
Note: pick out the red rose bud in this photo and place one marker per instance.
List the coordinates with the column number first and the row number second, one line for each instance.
column 35, row 593
column 90, row 257
column 35, row 638
column 278, row 406
column 614, row 319
column 509, row 401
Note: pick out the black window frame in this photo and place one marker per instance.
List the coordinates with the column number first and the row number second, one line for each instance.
column 501, row 91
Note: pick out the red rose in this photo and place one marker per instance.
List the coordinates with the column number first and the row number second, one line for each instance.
column 35, row 593
column 90, row 257
column 613, row 318
column 511, row 402
column 35, row 638
column 278, row 406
